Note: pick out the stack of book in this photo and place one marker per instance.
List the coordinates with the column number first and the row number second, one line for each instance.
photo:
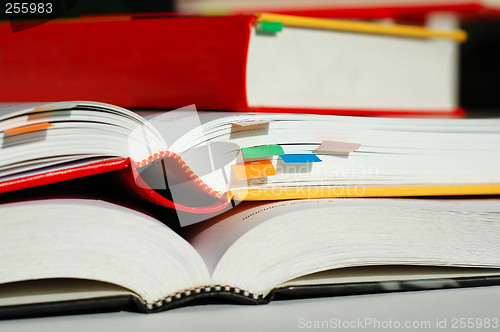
column 245, row 205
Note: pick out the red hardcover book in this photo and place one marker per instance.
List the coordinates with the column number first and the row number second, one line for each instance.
column 227, row 63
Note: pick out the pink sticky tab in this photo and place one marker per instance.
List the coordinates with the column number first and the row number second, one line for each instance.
column 333, row 147
column 251, row 124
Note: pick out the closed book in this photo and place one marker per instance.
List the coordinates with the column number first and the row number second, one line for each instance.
column 260, row 62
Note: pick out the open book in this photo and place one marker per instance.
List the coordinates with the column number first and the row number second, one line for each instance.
column 201, row 161
column 108, row 255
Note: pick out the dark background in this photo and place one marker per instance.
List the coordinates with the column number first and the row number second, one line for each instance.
column 91, row 7
column 480, row 66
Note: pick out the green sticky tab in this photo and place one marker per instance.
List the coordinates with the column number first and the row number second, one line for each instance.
column 270, row 26
column 262, row 151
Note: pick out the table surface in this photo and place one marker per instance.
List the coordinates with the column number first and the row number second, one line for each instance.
column 423, row 310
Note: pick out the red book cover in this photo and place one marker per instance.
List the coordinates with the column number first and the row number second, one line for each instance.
column 128, row 62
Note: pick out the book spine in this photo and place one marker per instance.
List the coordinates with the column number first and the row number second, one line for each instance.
column 177, row 168
column 311, row 291
column 184, row 297
column 188, row 172
column 237, row 295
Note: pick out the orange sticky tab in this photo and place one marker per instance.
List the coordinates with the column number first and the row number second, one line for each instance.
column 254, row 169
column 28, row 129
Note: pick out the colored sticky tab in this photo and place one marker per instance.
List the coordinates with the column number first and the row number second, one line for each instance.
column 262, row 151
column 333, row 147
column 299, row 158
column 28, row 129
column 270, row 26
column 251, row 123
column 254, row 169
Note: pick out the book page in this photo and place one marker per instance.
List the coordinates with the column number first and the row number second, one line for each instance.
column 16, row 108
column 96, row 240
column 389, row 155
column 50, row 165
column 55, row 290
column 176, row 123
column 362, row 274
column 213, row 238
column 8, row 110
column 34, row 137
column 264, row 247
column 318, row 69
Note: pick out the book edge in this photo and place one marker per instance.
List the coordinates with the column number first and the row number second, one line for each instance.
column 362, row 27
column 229, row 294
column 376, row 287
column 322, row 290
column 81, row 306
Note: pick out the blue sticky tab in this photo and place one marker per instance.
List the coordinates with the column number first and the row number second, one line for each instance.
column 299, row 158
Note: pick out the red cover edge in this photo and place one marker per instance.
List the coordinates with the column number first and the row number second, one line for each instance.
column 251, row 24
column 133, row 180
column 466, row 11
column 64, row 174
column 123, row 165
column 458, row 112
column 472, row 9
column 177, row 166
